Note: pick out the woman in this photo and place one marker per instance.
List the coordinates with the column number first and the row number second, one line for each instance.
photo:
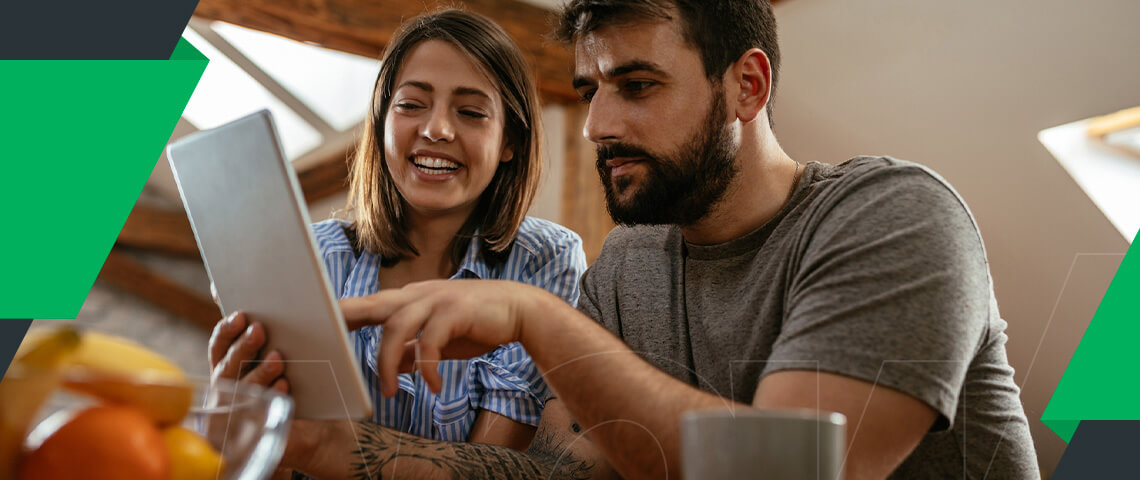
column 446, row 169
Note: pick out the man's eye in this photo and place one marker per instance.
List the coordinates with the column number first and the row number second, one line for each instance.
column 635, row 87
column 587, row 95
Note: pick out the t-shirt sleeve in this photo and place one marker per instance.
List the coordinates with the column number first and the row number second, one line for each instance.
column 595, row 301
column 892, row 288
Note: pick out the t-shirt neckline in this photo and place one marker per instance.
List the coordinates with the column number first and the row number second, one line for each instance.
column 755, row 239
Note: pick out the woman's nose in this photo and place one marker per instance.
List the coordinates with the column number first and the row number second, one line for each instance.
column 438, row 127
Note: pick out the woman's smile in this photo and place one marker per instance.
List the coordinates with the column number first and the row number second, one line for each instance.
column 434, row 166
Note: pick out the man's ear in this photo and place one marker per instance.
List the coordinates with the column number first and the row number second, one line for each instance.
column 750, row 81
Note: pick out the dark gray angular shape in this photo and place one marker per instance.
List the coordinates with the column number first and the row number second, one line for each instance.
column 11, row 333
column 92, row 30
column 1102, row 449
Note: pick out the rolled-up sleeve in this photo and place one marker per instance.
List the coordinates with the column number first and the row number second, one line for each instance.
column 507, row 381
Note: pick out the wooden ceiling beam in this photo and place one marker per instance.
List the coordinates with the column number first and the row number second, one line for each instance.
column 364, row 27
column 325, row 178
column 161, row 230
column 168, row 231
column 130, row 275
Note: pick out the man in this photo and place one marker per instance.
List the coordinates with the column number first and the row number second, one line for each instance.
column 752, row 280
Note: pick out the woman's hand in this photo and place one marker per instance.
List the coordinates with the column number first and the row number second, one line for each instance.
column 233, row 350
column 430, row 321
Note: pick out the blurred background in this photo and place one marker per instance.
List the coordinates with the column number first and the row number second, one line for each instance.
column 964, row 87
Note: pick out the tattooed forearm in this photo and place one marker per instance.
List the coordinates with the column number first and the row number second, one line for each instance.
column 555, row 456
column 387, row 454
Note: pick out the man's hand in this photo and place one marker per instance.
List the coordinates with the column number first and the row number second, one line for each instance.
column 430, row 321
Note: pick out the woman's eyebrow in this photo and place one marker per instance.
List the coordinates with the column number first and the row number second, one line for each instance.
column 427, row 87
column 416, row 84
column 470, row 91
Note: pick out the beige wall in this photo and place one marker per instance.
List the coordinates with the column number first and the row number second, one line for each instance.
column 964, row 87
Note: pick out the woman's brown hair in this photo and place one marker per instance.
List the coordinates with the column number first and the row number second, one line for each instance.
column 380, row 221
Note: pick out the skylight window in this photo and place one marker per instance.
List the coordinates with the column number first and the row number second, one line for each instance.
column 335, row 85
column 226, row 93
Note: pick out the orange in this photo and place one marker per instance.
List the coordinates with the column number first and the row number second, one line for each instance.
column 191, row 456
column 108, row 442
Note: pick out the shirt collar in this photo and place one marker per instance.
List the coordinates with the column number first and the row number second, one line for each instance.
column 472, row 266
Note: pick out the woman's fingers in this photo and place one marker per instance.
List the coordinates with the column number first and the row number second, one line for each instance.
column 267, row 371
column 225, row 331
column 281, row 385
column 241, row 352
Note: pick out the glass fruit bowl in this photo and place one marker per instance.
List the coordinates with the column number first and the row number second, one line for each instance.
column 246, row 425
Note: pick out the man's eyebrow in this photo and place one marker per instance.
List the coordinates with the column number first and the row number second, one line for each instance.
column 580, row 82
column 635, row 66
column 623, row 69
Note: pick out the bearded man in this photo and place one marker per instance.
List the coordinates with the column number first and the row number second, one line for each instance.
column 739, row 275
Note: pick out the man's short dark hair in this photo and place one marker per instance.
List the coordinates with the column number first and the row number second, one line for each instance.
column 720, row 30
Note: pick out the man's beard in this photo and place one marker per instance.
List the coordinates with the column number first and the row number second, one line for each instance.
column 679, row 188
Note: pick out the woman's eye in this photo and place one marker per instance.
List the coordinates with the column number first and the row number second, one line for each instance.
column 472, row 114
column 405, row 106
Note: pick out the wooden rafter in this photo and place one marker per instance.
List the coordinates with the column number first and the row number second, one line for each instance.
column 364, row 27
column 168, row 231
column 126, row 273
column 325, row 178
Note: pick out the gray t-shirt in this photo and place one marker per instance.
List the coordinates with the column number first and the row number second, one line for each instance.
column 874, row 270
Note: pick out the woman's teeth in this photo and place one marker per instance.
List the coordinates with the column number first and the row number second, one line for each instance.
column 434, row 165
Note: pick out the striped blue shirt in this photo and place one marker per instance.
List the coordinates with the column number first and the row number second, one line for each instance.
column 504, row 381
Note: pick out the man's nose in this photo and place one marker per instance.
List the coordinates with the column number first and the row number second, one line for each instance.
column 604, row 121
column 438, row 126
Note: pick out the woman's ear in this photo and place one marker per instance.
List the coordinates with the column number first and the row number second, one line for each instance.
column 751, row 76
column 508, row 154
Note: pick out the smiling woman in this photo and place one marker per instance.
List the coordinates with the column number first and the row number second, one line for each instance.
column 448, row 87
column 443, row 139
column 446, row 169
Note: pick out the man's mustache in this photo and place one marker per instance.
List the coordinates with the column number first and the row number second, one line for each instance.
column 620, row 150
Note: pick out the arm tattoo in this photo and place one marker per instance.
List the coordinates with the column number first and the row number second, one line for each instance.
column 556, row 457
column 546, row 459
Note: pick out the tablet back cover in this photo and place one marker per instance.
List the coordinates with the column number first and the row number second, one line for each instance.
column 253, row 230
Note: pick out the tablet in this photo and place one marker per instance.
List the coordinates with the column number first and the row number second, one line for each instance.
column 253, row 230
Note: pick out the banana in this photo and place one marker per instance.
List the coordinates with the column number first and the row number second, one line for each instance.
column 44, row 349
column 33, row 376
column 118, row 370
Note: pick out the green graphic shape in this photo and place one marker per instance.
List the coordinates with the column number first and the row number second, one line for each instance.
column 1100, row 381
column 78, row 139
